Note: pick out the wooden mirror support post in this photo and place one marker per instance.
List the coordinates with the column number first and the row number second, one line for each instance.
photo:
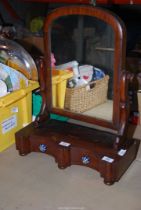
column 109, row 150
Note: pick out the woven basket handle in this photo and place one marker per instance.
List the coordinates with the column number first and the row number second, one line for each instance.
column 92, row 85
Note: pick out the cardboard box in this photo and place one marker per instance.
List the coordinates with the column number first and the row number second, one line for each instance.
column 33, row 44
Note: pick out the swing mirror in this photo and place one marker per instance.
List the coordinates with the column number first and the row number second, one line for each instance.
column 84, row 46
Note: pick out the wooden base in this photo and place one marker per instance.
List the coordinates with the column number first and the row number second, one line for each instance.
column 72, row 144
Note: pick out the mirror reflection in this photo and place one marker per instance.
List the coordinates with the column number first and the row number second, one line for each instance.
column 82, row 66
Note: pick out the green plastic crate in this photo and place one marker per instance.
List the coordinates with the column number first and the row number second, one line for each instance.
column 36, row 106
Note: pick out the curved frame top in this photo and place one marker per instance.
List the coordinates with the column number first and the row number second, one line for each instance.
column 119, row 116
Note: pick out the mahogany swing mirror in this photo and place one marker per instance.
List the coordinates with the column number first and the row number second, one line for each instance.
column 83, row 78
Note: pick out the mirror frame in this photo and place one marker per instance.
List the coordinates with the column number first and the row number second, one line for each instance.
column 120, row 112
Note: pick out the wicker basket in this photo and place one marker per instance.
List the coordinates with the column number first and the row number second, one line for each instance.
column 81, row 99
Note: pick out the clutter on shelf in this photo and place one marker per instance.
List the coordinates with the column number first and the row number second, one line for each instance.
column 85, row 97
column 14, row 55
column 36, row 25
column 18, row 78
column 86, row 88
column 72, row 65
column 13, row 79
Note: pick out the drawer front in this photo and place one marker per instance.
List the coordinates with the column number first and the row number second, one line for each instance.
column 81, row 156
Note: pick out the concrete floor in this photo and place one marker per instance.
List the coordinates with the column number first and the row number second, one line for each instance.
column 34, row 182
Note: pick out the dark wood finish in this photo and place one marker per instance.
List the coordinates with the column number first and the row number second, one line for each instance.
column 84, row 146
column 119, row 61
column 109, row 153
column 89, row 1
column 62, row 1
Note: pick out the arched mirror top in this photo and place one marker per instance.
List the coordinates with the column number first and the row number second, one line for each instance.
column 99, row 13
column 86, row 42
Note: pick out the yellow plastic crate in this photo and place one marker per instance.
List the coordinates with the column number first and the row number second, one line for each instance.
column 15, row 113
column 59, row 81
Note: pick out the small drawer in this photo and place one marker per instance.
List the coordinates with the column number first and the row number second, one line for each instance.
column 81, row 156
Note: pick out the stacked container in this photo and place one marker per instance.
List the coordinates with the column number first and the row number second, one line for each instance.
column 16, row 106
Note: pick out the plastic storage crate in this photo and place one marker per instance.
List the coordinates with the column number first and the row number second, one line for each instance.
column 16, row 112
column 59, row 81
column 36, row 107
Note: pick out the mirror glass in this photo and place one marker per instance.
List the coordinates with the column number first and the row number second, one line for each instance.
column 82, row 66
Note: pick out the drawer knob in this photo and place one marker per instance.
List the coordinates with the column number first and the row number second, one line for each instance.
column 43, row 147
column 85, row 159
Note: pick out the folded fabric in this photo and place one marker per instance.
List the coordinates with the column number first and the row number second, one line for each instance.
column 86, row 72
column 13, row 78
column 3, row 88
column 98, row 73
